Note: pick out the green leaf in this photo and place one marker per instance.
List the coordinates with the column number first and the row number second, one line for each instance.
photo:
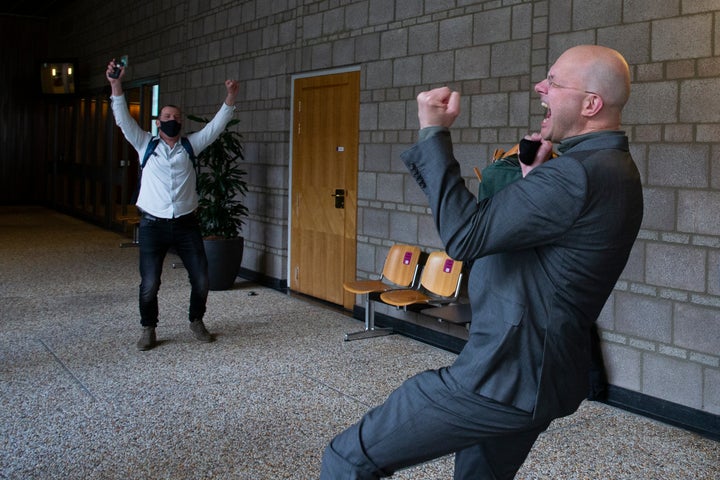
column 221, row 184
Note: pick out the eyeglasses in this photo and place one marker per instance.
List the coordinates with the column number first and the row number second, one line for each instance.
column 552, row 83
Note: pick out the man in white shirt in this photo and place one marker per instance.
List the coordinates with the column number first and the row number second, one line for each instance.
column 167, row 201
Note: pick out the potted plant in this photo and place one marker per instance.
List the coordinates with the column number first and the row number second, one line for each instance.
column 221, row 186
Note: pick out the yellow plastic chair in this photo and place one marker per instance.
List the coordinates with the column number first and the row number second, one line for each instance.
column 399, row 271
column 439, row 284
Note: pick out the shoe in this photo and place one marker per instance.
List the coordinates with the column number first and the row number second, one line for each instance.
column 147, row 339
column 200, row 332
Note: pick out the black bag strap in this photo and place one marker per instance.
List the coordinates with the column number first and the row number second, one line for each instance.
column 149, row 151
column 189, row 149
column 184, row 141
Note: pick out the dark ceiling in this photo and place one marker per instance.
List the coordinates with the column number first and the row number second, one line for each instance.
column 25, row 8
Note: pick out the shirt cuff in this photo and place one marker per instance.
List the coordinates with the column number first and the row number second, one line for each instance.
column 428, row 132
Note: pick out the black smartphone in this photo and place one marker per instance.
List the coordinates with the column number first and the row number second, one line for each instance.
column 528, row 150
column 118, row 65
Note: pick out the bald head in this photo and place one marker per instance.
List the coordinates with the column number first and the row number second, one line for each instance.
column 601, row 70
column 585, row 91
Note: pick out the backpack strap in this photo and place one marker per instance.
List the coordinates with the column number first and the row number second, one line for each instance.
column 184, row 141
column 149, row 150
column 189, row 149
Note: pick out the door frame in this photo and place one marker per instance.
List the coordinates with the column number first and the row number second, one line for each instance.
column 293, row 78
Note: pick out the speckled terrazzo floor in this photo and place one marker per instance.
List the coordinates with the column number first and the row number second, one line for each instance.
column 78, row 401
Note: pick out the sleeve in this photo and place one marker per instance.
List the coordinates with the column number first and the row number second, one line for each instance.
column 212, row 130
column 532, row 211
column 135, row 135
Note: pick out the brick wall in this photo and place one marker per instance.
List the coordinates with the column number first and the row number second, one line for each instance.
column 661, row 327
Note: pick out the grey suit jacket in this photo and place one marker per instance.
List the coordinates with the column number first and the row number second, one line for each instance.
column 546, row 252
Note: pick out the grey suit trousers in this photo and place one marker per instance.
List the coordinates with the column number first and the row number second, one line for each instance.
column 428, row 416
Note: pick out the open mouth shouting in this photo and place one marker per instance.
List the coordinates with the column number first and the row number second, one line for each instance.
column 548, row 112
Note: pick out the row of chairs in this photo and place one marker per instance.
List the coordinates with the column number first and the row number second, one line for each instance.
column 406, row 280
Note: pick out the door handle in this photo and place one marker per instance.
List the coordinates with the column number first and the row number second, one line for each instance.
column 339, row 198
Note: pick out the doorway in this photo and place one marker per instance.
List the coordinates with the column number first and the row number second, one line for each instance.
column 93, row 170
column 324, row 178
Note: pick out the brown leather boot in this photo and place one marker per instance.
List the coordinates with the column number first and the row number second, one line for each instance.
column 147, row 339
column 198, row 329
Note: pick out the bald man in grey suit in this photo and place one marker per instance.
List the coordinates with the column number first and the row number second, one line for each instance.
column 546, row 252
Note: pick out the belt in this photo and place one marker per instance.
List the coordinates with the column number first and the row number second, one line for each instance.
column 153, row 218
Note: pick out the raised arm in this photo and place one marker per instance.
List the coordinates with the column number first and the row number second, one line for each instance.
column 134, row 134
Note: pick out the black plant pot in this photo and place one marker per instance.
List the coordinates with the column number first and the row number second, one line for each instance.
column 224, row 257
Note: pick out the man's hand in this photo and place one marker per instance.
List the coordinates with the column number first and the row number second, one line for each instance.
column 541, row 156
column 115, row 83
column 233, row 87
column 438, row 108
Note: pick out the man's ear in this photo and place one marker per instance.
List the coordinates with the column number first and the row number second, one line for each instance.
column 592, row 105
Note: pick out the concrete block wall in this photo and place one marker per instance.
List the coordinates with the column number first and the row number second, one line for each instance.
column 661, row 326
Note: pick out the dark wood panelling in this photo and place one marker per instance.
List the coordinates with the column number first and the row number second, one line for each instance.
column 23, row 45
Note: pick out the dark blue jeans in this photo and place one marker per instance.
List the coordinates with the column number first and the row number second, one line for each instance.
column 156, row 237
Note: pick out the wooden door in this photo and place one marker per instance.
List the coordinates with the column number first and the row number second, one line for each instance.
column 324, row 186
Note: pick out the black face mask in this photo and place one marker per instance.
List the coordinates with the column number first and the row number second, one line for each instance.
column 171, row 128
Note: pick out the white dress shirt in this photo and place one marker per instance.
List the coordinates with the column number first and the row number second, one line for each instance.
column 168, row 188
